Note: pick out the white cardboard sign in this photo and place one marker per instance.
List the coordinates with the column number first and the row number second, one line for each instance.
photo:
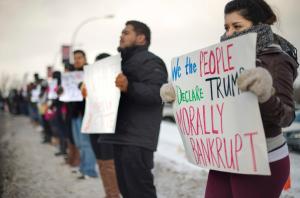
column 35, row 94
column 52, row 85
column 69, row 83
column 220, row 126
column 103, row 96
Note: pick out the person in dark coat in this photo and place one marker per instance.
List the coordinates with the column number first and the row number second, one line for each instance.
column 139, row 113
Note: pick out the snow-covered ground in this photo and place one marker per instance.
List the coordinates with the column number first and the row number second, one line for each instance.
column 32, row 171
column 174, row 175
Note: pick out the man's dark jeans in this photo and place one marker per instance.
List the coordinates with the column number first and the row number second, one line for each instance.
column 133, row 167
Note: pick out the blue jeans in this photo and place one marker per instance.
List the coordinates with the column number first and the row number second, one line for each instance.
column 82, row 142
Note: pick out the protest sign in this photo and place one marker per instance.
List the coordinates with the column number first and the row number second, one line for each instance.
column 220, row 126
column 52, row 85
column 103, row 96
column 69, row 83
column 35, row 94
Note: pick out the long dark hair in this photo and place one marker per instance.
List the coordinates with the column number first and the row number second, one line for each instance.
column 256, row 11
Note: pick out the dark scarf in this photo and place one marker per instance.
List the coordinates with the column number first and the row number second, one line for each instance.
column 128, row 52
column 265, row 38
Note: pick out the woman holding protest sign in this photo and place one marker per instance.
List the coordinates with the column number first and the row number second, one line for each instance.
column 272, row 82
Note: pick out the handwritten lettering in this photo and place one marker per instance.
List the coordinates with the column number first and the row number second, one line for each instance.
column 216, row 61
column 221, row 152
column 194, row 120
column 209, row 106
column 190, row 67
column 224, row 87
column 187, row 96
column 176, row 71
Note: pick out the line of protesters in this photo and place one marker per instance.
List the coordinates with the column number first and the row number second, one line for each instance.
column 125, row 159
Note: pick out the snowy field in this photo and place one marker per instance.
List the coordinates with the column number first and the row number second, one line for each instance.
column 32, row 171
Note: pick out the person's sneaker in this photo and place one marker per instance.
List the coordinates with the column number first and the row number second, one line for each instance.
column 82, row 176
column 75, row 170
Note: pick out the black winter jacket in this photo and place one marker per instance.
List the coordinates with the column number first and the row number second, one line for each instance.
column 140, row 108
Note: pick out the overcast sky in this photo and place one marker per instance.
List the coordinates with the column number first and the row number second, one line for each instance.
column 32, row 31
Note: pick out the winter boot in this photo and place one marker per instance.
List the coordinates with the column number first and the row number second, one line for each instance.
column 109, row 178
column 73, row 155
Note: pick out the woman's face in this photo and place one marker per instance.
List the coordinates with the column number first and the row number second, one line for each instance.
column 234, row 22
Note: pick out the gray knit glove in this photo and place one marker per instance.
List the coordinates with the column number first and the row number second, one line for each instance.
column 257, row 80
column 167, row 92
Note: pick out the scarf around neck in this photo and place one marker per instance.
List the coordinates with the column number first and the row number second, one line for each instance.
column 265, row 38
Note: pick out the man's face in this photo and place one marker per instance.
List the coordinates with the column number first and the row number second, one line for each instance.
column 49, row 72
column 128, row 37
column 79, row 60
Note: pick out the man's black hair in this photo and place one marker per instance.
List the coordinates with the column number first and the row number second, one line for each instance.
column 141, row 28
column 101, row 56
column 80, row 52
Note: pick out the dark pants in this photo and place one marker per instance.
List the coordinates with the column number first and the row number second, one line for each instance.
column 133, row 167
column 47, row 130
column 59, row 130
column 103, row 151
column 229, row 185
column 68, row 127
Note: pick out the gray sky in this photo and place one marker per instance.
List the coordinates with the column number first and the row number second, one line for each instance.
column 32, row 31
